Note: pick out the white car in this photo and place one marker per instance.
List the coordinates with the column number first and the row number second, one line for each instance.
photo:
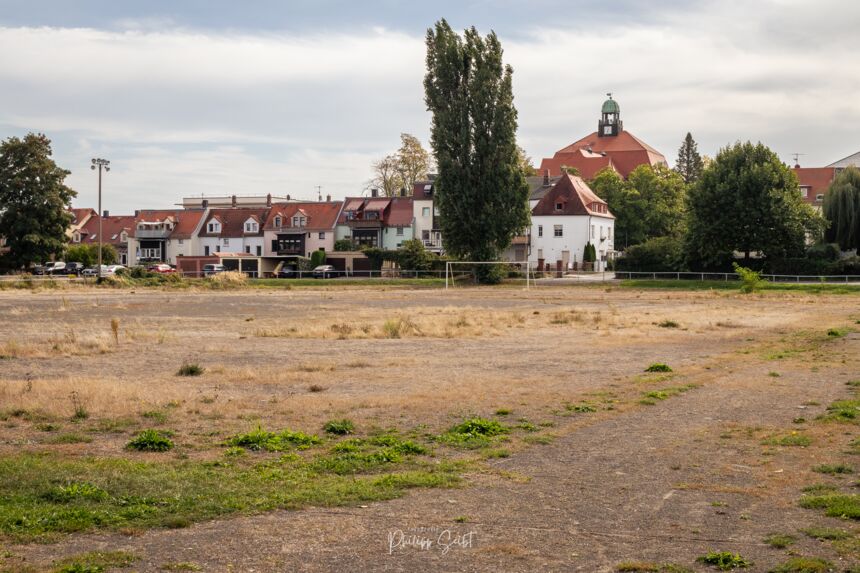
column 111, row 270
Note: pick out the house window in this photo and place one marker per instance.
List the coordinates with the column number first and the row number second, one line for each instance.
column 592, row 231
column 278, row 221
column 610, row 233
column 540, row 230
column 226, row 241
column 559, row 206
column 76, row 238
column 322, row 235
column 217, row 248
column 248, row 249
column 299, row 221
column 214, row 227
column 181, row 241
column 804, row 191
column 425, row 212
column 250, row 227
column 558, row 230
column 123, row 237
column 819, row 197
column 259, row 250
column 206, row 250
column 399, row 231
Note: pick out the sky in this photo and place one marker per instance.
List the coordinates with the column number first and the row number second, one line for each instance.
column 211, row 97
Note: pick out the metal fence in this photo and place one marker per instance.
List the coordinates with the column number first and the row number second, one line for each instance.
column 733, row 277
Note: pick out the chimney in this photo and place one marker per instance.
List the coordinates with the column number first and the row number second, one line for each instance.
column 288, row 197
column 205, row 203
column 328, row 198
column 546, row 177
column 374, row 192
column 106, row 214
column 233, row 200
column 137, row 212
column 269, row 200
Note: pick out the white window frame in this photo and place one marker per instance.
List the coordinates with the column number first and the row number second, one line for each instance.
column 558, row 231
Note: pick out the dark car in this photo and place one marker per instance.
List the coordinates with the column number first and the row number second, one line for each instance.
column 324, row 272
column 287, row 273
column 74, row 269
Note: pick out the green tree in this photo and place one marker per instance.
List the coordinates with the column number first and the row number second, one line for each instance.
column 412, row 256
column 689, row 164
column 317, row 258
column 842, row 209
column 526, row 162
column 88, row 255
column 481, row 190
column 747, row 201
column 650, row 203
column 33, row 200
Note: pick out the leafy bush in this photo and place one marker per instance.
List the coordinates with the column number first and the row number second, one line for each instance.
column 150, row 441
column 724, row 560
column 660, row 254
column 317, row 258
column 193, row 369
column 750, row 280
column 658, row 367
column 339, row 427
column 260, row 439
column 345, row 245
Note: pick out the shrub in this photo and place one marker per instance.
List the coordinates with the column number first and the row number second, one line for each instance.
column 339, row 427
column 658, row 367
column 260, row 439
column 724, row 560
column 660, row 254
column 750, row 280
column 150, row 441
column 193, row 369
column 833, row 469
column 345, row 245
column 317, row 258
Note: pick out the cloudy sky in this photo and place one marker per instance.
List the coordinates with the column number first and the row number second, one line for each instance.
column 191, row 97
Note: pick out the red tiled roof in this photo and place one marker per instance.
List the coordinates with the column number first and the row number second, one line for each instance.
column 420, row 191
column 112, row 228
column 817, row 179
column 400, row 214
column 320, row 215
column 626, row 152
column 233, row 222
column 396, row 211
column 80, row 214
column 575, row 197
column 186, row 220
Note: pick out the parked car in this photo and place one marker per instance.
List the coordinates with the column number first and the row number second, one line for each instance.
column 74, row 269
column 113, row 270
column 42, row 269
column 287, row 273
column 94, row 271
column 212, row 269
column 162, row 268
column 324, row 272
column 57, row 268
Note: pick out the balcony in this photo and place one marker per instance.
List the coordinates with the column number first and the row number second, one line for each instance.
column 284, row 252
column 152, row 233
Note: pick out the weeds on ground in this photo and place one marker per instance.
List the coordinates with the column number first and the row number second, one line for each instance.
column 779, row 540
column 833, row 469
column 843, row 411
column 668, row 324
column 339, row 427
column 94, row 562
column 834, row 504
column 725, row 560
column 192, row 369
column 79, row 409
column 651, row 398
column 804, row 565
column 658, row 367
column 582, row 407
column 837, row 332
column 473, row 433
column 151, row 441
column 788, row 440
column 71, row 438
column 399, row 328
column 751, row 280
column 262, row 440
column 826, row 533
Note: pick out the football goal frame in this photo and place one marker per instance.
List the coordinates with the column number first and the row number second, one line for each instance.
column 450, row 272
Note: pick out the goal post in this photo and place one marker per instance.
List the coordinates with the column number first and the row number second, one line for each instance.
column 451, row 272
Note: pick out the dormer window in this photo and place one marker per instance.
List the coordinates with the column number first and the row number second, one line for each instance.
column 251, row 226
column 278, row 221
column 76, row 238
column 299, row 221
column 214, row 227
column 559, row 206
column 123, row 237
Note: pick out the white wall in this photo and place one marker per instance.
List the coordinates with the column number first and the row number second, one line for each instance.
column 229, row 245
column 422, row 222
column 576, row 232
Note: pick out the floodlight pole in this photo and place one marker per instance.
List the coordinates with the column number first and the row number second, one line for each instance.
column 101, row 163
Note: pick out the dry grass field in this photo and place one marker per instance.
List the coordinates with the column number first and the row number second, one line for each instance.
column 312, row 425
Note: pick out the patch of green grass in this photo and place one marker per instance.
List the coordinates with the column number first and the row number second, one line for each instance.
column 843, row 411
column 658, row 367
column 76, row 491
column 155, row 415
column 803, row 565
column 94, row 562
column 637, row 567
column 539, row 439
column 837, row 332
column 47, row 427
column 779, row 540
column 668, row 324
column 263, row 440
column 150, row 441
column 497, row 453
column 665, row 393
column 827, row 533
column 833, row 469
column 339, row 427
column 473, row 433
column 69, row 439
column 582, row 407
column 192, row 369
column 172, row 492
column 724, row 560
column 503, row 412
column 773, row 374
column 793, row 439
column 834, row 504
column 526, row 425
column 820, row 488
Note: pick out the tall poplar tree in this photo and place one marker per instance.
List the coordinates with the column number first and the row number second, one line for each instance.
column 842, row 209
column 33, row 200
column 481, row 190
column 689, row 163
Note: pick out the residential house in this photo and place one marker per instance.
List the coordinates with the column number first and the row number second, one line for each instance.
column 426, row 216
column 851, row 160
column 115, row 229
column 814, row 182
column 566, row 216
column 161, row 235
column 236, row 230
column 611, row 146
column 79, row 219
column 383, row 222
column 297, row 229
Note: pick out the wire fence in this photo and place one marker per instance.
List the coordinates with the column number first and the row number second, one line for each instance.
column 726, row 277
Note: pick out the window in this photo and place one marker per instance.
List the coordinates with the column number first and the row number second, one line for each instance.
column 425, row 235
column 248, row 249
column 123, row 237
column 559, row 206
column 592, row 231
column 322, row 235
column 399, row 231
column 425, row 212
column 610, row 233
column 76, row 238
column 299, row 221
column 540, row 230
column 226, row 241
column 278, row 221
column 217, row 248
column 558, row 230
column 181, row 241
column 250, row 226
column 819, row 197
column 259, row 250
column 206, row 250
column 804, row 191
column 214, row 227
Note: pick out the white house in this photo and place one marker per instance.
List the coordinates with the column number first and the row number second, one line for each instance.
column 566, row 216
column 238, row 230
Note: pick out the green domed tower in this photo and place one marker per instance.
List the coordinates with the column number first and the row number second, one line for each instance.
column 610, row 124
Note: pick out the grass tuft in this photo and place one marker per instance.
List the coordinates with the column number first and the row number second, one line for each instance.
column 725, row 560
column 150, row 441
column 262, row 440
column 833, row 469
column 192, row 369
column 658, row 367
column 339, row 427
column 779, row 540
column 834, row 504
column 803, row 565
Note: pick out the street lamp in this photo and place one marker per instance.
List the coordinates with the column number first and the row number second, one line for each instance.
column 100, row 163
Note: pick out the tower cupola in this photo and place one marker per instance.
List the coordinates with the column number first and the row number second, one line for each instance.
column 610, row 123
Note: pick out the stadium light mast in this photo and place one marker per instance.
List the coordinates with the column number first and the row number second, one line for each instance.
column 101, row 164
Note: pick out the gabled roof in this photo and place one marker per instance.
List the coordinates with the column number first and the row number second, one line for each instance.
column 850, row 160
column 575, row 198
column 422, row 190
column 395, row 211
column 320, row 215
column 80, row 215
column 112, row 228
column 623, row 152
column 400, row 214
column 817, row 179
column 233, row 222
column 186, row 220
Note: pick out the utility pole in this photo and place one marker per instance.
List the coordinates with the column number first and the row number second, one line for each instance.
column 101, row 164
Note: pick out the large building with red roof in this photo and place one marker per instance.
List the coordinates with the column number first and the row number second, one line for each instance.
column 161, row 235
column 115, row 231
column 609, row 147
column 377, row 221
column 298, row 229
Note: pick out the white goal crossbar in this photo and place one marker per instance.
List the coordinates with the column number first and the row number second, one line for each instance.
column 449, row 269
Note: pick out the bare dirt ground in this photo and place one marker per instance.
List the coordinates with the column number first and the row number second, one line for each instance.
column 655, row 483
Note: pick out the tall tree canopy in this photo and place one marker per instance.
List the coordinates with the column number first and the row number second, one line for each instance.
column 689, row 163
column 747, row 201
column 650, row 203
column 33, row 200
column 401, row 170
column 481, row 190
column 842, row 209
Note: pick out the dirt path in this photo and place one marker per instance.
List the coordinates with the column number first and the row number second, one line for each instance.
column 663, row 483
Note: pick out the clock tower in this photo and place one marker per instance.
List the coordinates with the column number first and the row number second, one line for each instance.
column 610, row 124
